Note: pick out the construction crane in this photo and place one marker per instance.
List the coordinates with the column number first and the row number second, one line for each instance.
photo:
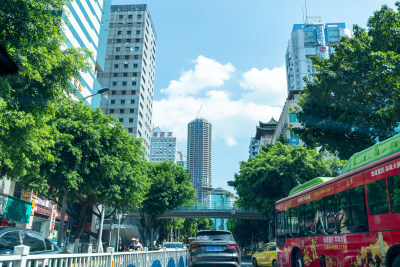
column 181, row 155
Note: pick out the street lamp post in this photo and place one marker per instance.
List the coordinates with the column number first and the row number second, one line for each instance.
column 99, row 92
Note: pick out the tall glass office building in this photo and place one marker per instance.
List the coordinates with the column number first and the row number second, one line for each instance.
column 130, row 70
column 85, row 24
column 199, row 156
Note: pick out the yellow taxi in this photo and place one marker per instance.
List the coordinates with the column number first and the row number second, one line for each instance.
column 265, row 256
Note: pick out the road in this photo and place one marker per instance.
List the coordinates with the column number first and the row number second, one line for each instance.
column 246, row 261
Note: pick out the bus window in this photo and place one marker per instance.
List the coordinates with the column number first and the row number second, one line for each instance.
column 330, row 209
column 394, row 193
column 294, row 221
column 343, row 215
column 320, row 217
column 281, row 228
column 309, row 218
column 302, row 225
column 358, row 210
column 377, row 197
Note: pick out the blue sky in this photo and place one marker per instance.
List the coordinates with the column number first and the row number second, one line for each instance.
column 228, row 57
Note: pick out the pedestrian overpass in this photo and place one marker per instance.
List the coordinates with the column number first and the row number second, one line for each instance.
column 214, row 211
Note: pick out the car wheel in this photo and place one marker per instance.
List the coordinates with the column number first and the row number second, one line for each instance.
column 299, row 259
column 396, row 261
column 254, row 262
column 274, row 263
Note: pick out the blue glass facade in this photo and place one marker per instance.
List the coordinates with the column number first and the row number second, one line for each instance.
column 86, row 25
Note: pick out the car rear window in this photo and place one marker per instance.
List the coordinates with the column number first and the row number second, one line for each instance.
column 214, row 236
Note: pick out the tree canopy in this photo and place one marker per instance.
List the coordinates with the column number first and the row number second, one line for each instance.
column 96, row 161
column 170, row 187
column 352, row 101
column 270, row 176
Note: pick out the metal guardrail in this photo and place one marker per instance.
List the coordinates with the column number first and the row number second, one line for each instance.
column 160, row 258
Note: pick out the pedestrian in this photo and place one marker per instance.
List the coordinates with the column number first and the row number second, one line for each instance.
column 138, row 245
column 132, row 245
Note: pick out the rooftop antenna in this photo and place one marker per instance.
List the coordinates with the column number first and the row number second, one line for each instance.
column 305, row 4
column 198, row 113
column 302, row 9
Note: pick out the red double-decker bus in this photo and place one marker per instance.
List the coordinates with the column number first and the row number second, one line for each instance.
column 349, row 220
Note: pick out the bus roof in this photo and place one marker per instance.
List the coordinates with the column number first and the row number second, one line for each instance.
column 309, row 184
column 373, row 153
column 342, row 176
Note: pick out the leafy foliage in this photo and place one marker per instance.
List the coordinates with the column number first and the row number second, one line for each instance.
column 96, row 161
column 270, row 176
column 352, row 102
column 170, row 187
column 249, row 233
column 31, row 34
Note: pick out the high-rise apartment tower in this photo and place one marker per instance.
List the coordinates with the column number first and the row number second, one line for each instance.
column 199, row 156
column 313, row 38
column 130, row 69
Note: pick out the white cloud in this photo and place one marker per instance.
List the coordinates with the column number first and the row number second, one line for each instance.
column 230, row 141
column 265, row 86
column 231, row 118
column 207, row 73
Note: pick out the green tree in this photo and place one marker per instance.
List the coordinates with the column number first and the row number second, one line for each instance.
column 170, row 187
column 352, row 101
column 30, row 33
column 248, row 233
column 96, row 161
column 270, row 176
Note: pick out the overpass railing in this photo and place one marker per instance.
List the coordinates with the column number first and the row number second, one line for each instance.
column 160, row 258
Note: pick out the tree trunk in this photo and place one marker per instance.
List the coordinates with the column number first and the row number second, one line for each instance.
column 60, row 234
column 82, row 223
column 148, row 223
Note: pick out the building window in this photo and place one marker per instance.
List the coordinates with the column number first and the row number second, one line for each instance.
column 119, row 32
column 132, row 110
column 132, row 101
column 130, row 130
column 121, row 120
column 139, row 16
column 113, row 92
column 137, row 40
column 118, row 41
column 126, row 57
column 128, row 40
column 128, row 32
column 135, row 57
column 112, row 111
column 113, row 101
column 125, row 66
column 137, row 32
column 118, row 49
column 133, row 92
column 115, row 66
column 114, row 83
column 123, row 92
column 121, row 110
column 121, row 16
column 136, row 48
column 115, row 74
column 125, row 74
column 133, row 83
column 130, row 119
column 123, row 101
column 129, row 24
column 135, row 65
column 134, row 74
column 130, row 16
column 116, row 57
column 123, row 83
